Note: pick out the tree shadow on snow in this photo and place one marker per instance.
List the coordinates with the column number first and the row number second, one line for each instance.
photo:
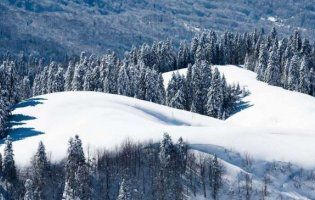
column 22, row 133
column 29, row 102
column 16, row 121
column 242, row 106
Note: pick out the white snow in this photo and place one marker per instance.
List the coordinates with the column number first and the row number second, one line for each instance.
column 278, row 126
column 272, row 19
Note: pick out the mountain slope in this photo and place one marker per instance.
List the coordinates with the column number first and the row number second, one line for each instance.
column 105, row 120
column 267, row 106
column 64, row 27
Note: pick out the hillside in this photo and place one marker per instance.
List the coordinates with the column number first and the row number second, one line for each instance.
column 65, row 27
column 106, row 120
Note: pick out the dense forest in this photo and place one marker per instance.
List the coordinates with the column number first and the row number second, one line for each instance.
column 288, row 63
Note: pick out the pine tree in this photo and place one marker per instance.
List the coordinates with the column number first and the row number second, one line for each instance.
column 305, row 76
column 29, row 190
column 183, row 56
column 58, row 82
column 124, row 191
column 9, row 169
column 88, row 80
column 25, row 88
column 52, row 71
column 75, row 160
column 273, row 74
column 41, row 172
column 215, row 96
column 123, row 82
column 216, row 177
column 78, row 75
column 83, row 183
column 161, row 90
column 179, row 100
column 196, row 89
column 293, row 73
column 69, row 76
column 284, row 75
column 262, row 62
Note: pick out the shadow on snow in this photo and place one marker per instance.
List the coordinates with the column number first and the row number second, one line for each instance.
column 16, row 121
column 29, row 102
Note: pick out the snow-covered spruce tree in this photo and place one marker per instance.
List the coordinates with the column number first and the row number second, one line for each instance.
column 293, row 73
column 112, row 68
column 124, row 191
column 249, row 62
column 52, row 71
column 182, row 149
column 58, row 82
column 25, row 88
column 296, row 42
column 41, row 173
column 75, row 160
column 29, row 190
column 88, row 80
column 161, row 90
column 189, row 86
column 123, row 82
column 83, row 183
column 9, row 169
column 9, row 174
column 170, row 186
column 200, row 83
column 78, row 76
column 36, row 89
column 176, row 92
column 215, row 96
column 215, row 177
column 196, row 89
column 69, row 76
column 305, row 76
column 284, row 75
column 262, row 62
column 183, row 56
column 179, row 100
column 273, row 74
column 153, row 90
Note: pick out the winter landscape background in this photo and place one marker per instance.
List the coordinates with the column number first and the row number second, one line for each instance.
column 141, row 99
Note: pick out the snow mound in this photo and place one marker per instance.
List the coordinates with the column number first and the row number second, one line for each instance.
column 267, row 106
column 278, row 126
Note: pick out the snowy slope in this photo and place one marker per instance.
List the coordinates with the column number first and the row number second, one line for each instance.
column 269, row 106
column 277, row 127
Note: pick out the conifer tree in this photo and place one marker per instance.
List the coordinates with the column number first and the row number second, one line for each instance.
column 41, row 172
column 304, row 76
column 124, row 191
column 216, row 177
column 29, row 190
column 215, row 96
column 9, row 169
column 123, row 82
column 69, row 76
column 273, row 74
column 262, row 63
column 75, row 160
column 293, row 73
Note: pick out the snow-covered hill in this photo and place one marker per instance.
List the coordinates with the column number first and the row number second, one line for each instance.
column 277, row 126
column 267, row 107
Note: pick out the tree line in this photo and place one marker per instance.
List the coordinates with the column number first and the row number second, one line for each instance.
column 161, row 170
column 288, row 63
